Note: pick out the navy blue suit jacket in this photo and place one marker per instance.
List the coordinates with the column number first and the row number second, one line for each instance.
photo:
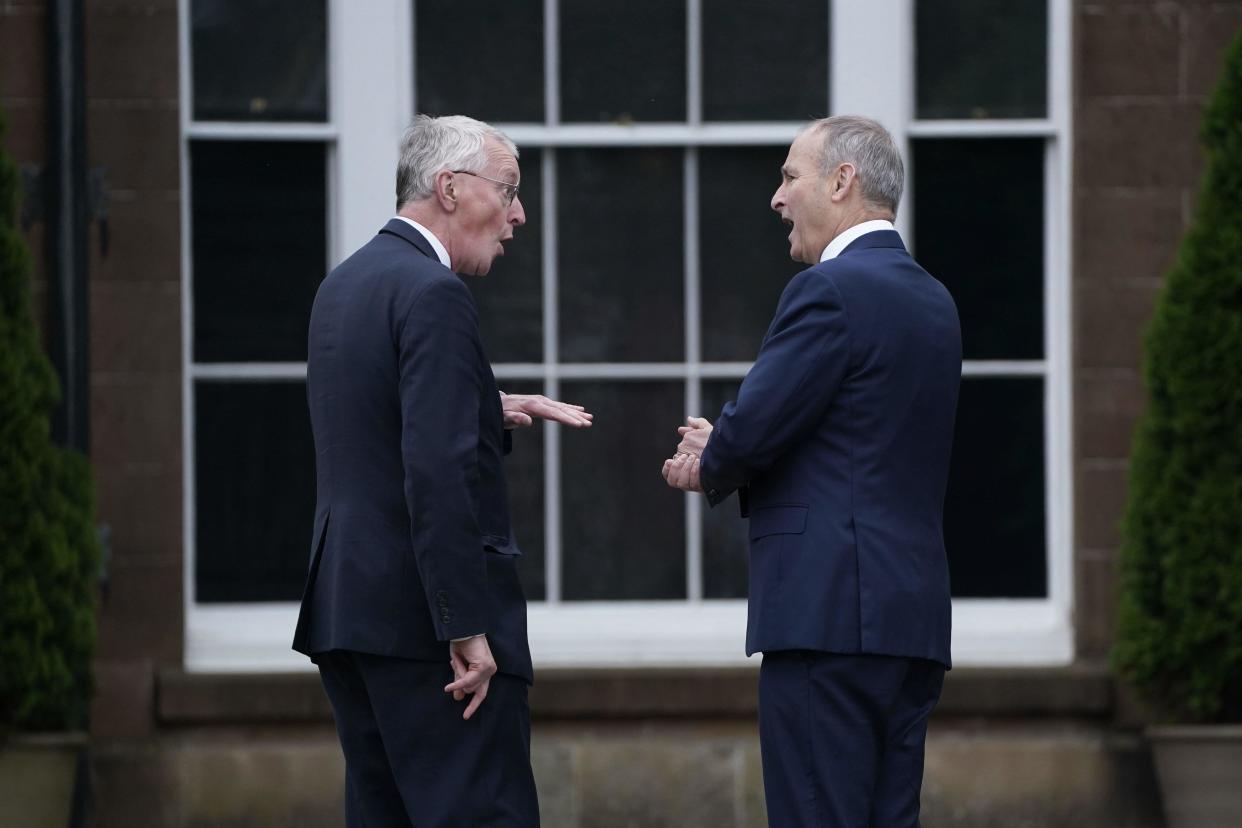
column 412, row 544
column 840, row 440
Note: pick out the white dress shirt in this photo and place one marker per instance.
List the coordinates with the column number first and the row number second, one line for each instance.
column 843, row 241
column 441, row 250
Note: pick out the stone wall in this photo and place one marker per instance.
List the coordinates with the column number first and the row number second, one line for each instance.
column 133, row 133
column 1143, row 71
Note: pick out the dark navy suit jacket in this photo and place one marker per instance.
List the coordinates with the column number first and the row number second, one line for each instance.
column 412, row 544
column 840, row 440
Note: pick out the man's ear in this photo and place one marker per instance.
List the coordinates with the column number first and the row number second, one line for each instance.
column 446, row 191
column 843, row 182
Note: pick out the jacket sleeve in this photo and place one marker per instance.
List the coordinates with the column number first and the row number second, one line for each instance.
column 440, row 388
column 799, row 369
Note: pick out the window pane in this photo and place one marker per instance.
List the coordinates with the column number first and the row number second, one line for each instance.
column 254, row 472
column 744, row 248
column 524, row 474
column 994, row 509
column 765, row 60
column 501, row 79
column 620, row 254
column 260, row 60
column 510, row 296
column 982, row 59
column 726, row 547
column 259, row 211
column 979, row 228
column 624, row 530
column 623, row 61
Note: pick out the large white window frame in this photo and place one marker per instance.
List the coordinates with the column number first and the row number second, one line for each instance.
column 872, row 71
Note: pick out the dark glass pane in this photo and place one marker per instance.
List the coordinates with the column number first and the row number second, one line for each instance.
column 510, row 296
column 744, row 248
column 623, row 61
column 254, row 473
column 726, row 547
column 501, row 76
column 765, row 60
column 259, row 246
column 260, row 60
column 979, row 228
column 524, row 474
column 623, row 529
column 994, row 509
column 620, row 255
column 982, row 59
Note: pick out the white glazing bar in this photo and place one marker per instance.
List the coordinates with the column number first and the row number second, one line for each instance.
column 625, row 370
column 638, row 135
column 694, row 61
column 520, row 370
column 369, row 91
column 246, row 131
column 1017, row 128
column 551, row 382
column 873, row 69
column 677, row 370
column 258, row 371
column 690, row 303
column 1004, row 368
column 1058, row 212
column 188, row 524
column 551, row 69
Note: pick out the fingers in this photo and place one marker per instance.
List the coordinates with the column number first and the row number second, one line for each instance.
column 681, row 471
column 473, row 668
column 516, row 419
column 698, row 422
column 479, row 695
column 474, row 683
column 537, row 405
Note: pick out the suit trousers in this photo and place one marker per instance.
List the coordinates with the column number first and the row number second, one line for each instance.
column 411, row 761
column 842, row 738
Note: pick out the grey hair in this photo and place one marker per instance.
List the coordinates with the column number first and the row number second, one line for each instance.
column 865, row 144
column 450, row 142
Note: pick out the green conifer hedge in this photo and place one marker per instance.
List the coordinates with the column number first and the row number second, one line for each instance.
column 1180, row 617
column 49, row 550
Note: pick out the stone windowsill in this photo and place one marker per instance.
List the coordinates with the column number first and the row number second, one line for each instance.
column 196, row 699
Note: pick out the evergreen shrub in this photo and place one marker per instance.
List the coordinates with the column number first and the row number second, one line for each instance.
column 1179, row 638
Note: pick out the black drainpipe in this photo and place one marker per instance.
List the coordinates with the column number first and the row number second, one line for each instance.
column 68, row 215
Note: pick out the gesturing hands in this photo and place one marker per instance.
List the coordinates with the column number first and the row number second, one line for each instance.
column 682, row 470
column 521, row 410
column 473, row 668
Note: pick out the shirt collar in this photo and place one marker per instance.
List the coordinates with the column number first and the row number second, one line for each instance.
column 441, row 250
column 844, row 240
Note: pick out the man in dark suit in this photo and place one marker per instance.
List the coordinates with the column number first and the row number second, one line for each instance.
column 838, row 445
column 413, row 604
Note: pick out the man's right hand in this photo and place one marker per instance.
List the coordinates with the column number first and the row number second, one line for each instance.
column 473, row 668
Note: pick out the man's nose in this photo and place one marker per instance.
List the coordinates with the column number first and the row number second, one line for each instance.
column 778, row 199
column 517, row 213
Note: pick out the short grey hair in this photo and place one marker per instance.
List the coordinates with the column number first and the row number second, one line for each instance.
column 868, row 147
column 450, row 142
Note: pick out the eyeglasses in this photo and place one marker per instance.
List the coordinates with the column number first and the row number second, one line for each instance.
column 510, row 190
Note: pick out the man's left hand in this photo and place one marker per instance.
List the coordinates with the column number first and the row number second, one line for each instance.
column 522, row 409
column 682, row 472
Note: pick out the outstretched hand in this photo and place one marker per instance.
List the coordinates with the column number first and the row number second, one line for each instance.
column 521, row 410
column 473, row 668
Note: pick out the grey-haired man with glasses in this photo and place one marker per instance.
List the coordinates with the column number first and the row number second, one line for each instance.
column 413, row 609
